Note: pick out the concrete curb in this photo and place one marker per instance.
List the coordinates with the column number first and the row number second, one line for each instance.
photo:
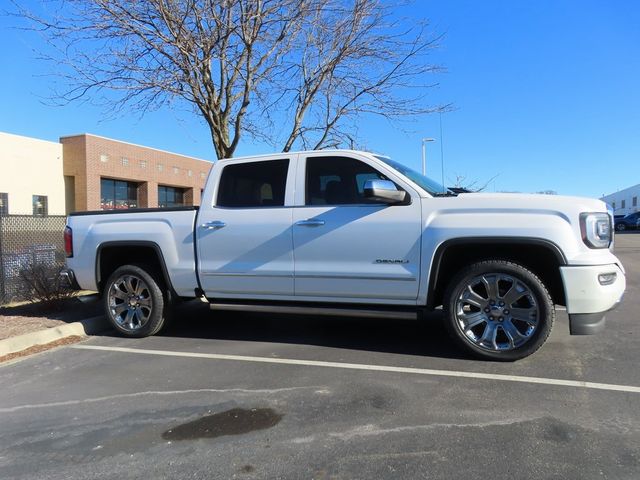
column 88, row 326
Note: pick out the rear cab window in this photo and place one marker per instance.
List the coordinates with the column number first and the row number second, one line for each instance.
column 253, row 184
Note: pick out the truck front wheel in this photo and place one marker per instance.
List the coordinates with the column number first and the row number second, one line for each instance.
column 134, row 302
column 498, row 310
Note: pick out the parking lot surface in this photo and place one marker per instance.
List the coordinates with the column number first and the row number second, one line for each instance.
column 264, row 396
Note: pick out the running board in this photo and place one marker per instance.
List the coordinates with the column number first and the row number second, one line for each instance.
column 329, row 311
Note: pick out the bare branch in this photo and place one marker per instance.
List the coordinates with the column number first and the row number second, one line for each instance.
column 475, row 185
column 294, row 72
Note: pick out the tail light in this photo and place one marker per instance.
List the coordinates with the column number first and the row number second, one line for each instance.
column 68, row 241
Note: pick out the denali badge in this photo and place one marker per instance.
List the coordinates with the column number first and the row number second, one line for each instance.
column 385, row 260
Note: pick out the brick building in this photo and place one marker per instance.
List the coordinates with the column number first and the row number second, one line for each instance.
column 100, row 173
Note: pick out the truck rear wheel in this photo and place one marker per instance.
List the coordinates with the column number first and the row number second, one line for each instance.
column 134, row 302
column 498, row 310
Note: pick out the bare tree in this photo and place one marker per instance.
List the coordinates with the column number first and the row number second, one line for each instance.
column 294, row 72
column 475, row 185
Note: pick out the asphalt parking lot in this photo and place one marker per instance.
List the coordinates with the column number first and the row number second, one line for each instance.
column 260, row 396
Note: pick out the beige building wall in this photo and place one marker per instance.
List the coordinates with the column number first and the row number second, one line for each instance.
column 31, row 167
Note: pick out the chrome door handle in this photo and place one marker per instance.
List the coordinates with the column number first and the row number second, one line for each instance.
column 311, row 222
column 213, row 225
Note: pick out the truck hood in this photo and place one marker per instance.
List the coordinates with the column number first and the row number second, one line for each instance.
column 551, row 218
column 569, row 206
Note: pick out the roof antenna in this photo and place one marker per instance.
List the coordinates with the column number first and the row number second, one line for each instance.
column 442, row 154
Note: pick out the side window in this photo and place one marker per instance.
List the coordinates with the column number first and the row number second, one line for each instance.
column 338, row 181
column 4, row 204
column 40, row 204
column 255, row 184
column 361, row 179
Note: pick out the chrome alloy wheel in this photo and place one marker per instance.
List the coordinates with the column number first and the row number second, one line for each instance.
column 497, row 312
column 130, row 304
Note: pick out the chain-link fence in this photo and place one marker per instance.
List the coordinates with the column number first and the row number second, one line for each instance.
column 27, row 240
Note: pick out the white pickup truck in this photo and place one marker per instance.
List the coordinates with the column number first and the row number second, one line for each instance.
column 351, row 233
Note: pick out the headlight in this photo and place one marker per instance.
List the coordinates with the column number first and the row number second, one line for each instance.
column 595, row 229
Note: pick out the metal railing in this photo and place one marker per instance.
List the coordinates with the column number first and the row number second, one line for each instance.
column 27, row 240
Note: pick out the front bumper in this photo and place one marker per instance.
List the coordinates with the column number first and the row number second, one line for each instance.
column 588, row 299
column 587, row 323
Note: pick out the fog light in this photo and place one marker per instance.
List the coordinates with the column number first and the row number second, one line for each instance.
column 607, row 278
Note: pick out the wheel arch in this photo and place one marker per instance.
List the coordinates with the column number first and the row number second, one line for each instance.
column 543, row 257
column 114, row 254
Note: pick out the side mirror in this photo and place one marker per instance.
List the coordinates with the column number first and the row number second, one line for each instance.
column 384, row 191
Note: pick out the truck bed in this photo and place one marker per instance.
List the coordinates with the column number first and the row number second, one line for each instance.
column 169, row 231
column 133, row 210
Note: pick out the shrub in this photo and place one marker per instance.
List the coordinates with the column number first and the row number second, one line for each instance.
column 42, row 283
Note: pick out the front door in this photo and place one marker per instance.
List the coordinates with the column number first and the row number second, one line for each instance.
column 347, row 247
column 244, row 239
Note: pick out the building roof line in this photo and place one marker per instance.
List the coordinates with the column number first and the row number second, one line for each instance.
column 632, row 187
column 25, row 137
column 136, row 145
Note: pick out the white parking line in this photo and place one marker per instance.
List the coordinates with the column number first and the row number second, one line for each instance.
column 375, row 368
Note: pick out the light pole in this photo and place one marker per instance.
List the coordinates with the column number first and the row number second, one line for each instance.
column 424, row 153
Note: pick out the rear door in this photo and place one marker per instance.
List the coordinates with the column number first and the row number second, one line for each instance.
column 244, row 236
column 346, row 247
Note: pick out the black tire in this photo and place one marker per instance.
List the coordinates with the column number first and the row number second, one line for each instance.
column 621, row 227
column 134, row 302
column 483, row 324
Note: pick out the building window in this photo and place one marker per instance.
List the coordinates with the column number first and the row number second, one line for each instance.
column 634, row 202
column 118, row 194
column 189, row 173
column 104, row 158
column 143, row 164
column 40, row 205
column 4, row 204
column 176, row 170
column 613, row 205
column 170, row 197
column 160, row 167
column 622, row 204
column 203, row 175
column 125, row 161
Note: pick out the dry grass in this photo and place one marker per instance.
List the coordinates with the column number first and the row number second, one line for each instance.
column 42, row 348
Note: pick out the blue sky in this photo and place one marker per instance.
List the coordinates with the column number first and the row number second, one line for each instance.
column 546, row 97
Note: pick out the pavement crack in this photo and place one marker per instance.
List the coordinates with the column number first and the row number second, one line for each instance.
column 66, row 403
column 372, row 429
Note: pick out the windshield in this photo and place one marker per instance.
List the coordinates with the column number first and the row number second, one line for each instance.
column 431, row 186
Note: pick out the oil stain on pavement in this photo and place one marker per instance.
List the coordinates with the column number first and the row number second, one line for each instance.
column 230, row 422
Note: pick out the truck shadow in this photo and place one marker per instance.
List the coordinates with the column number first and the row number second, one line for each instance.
column 426, row 337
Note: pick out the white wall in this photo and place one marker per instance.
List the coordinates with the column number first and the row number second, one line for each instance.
column 31, row 167
column 628, row 195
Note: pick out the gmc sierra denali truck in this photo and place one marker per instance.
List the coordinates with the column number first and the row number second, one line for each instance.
column 356, row 234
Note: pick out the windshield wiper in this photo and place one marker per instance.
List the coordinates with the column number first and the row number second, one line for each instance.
column 445, row 194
